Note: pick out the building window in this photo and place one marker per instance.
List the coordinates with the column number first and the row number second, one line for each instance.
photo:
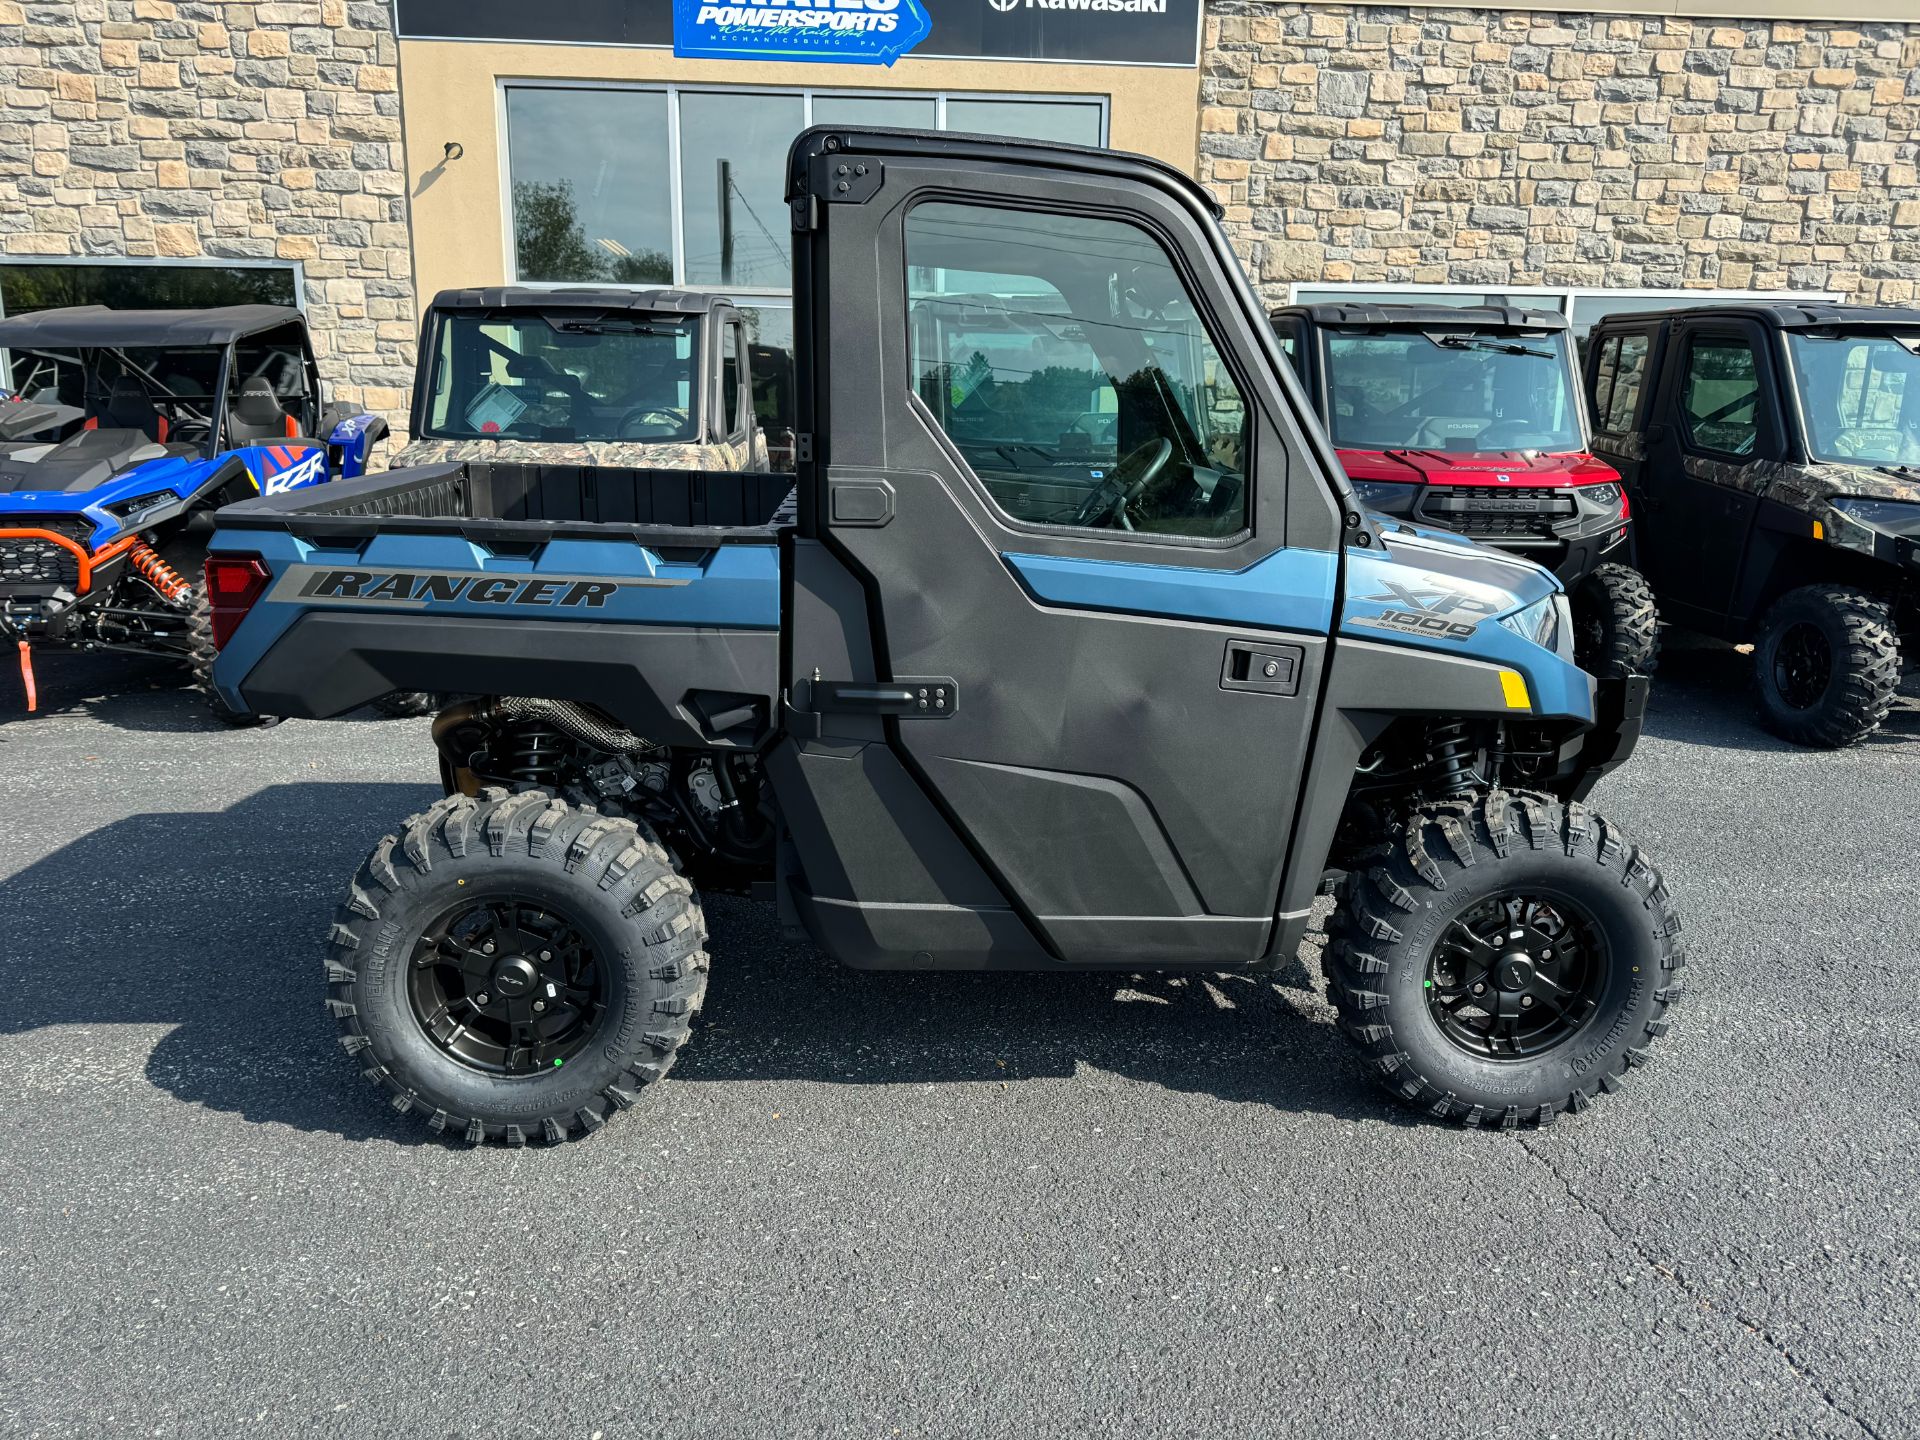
column 591, row 179
column 30, row 285
column 682, row 185
column 26, row 286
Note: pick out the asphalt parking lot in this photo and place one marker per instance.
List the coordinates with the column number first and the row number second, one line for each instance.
column 881, row 1205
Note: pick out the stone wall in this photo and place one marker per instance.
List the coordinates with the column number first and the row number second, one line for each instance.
column 229, row 128
column 1510, row 148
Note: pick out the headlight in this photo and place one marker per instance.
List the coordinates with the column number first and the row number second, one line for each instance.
column 1896, row 517
column 1542, row 622
column 1389, row 497
column 121, row 509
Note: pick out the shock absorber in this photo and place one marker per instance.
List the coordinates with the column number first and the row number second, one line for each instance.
column 167, row 581
column 1450, row 753
column 535, row 754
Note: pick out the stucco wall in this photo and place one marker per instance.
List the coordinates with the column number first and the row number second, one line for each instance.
column 222, row 128
column 1364, row 143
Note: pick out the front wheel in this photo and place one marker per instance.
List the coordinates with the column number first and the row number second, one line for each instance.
column 511, row 967
column 1509, row 958
column 1616, row 626
column 1826, row 666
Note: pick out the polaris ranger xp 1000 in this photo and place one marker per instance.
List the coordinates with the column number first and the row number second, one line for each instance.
column 1072, row 650
column 123, row 432
column 1469, row 418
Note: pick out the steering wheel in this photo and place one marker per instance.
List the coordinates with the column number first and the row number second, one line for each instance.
column 1122, row 485
column 1876, row 445
column 648, row 415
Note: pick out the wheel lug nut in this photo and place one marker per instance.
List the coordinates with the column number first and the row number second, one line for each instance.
column 539, row 1004
column 1526, row 1002
column 1479, row 989
column 481, row 999
column 487, row 949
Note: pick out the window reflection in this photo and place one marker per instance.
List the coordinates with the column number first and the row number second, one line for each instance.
column 733, row 152
column 589, row 194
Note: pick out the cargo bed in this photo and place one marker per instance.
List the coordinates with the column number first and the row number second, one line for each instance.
column 654, row 594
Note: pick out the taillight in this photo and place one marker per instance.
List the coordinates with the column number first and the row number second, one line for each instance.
column 234, row 582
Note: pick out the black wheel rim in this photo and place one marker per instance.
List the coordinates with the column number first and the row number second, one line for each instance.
column 1802, row 665
column 1517, row 975
column 1590, row 633
column 508, row 985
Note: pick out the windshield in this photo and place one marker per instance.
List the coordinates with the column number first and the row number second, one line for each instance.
column 515, row 375
column 1452, row 390
column 1861, row 396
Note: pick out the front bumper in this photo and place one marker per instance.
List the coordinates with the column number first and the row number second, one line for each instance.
column 1619, row 711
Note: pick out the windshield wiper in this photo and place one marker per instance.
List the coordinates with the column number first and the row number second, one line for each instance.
column 1499, row 347
column 613, row 327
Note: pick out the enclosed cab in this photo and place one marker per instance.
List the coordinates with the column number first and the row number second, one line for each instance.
column 1772, row 453
column 584, row 376
column 1470, row 419
column 123, row 432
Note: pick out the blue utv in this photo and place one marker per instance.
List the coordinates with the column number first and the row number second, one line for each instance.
column 121, row 432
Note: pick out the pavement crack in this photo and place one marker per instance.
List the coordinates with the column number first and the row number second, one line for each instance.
column 1705, row 1303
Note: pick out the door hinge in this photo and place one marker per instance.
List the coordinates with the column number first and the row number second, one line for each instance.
column 803, row 449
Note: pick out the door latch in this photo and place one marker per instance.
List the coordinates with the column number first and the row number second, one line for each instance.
column 1263, row 667
column 931, row 698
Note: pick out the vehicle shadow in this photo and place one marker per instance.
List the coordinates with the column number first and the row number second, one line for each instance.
column 212, row 923
column 1703, row 695
column 128, row 692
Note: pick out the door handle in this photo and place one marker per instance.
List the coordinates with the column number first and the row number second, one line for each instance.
column 1263, row 667
column 933, row 698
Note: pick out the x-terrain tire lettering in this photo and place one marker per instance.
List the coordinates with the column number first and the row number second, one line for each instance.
column 1559, row 1008
column 510, row 967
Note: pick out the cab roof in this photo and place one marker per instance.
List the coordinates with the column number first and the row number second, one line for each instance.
column 1786, row 315
column 1422, row 317
column 581, row 297
column 92, row 326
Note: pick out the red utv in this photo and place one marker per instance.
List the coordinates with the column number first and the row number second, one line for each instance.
column 1470, row 419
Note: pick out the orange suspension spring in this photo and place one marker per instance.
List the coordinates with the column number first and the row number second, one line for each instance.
column 156, row 572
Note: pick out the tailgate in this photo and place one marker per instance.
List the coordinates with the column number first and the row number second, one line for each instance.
column 674, row 633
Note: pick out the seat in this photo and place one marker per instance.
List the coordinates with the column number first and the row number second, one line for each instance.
column 128, row 408
column 257, row 415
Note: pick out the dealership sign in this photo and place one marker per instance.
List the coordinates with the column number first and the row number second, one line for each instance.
column 860, row 32
column 875, row 32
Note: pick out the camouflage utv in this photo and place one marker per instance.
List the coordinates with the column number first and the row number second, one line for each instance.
column 517, row 384
column 1772, row 454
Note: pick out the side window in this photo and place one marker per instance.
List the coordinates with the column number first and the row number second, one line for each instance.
column 1720, row 396
column 1606, row 363
column 1630, row 373
column 1063, row 357
column 733, row 418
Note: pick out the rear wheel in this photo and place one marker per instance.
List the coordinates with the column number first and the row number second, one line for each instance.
column 511, row 967
column 1827, row 666
column 1509, row 958
column 202, row 654
column 1616, row 626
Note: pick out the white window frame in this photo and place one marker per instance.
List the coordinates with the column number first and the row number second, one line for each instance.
column 759, row 296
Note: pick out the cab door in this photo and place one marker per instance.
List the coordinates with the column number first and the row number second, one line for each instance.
column 1706, row 465
column 1097, row 559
